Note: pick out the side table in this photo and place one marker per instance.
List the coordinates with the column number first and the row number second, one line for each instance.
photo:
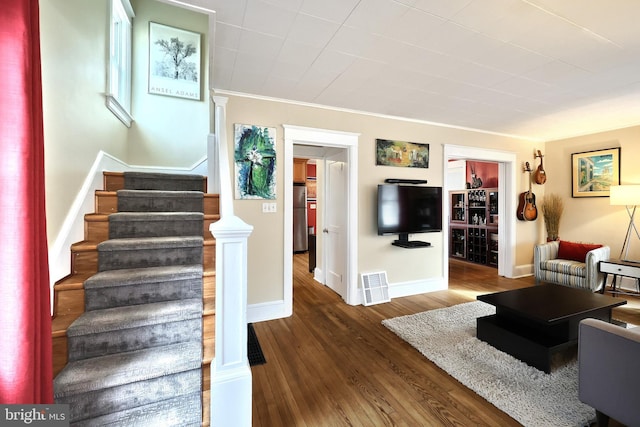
column 618, row 267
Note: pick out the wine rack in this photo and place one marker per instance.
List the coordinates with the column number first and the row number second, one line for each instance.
column 473, row 225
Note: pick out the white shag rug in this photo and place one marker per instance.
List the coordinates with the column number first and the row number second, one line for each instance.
column 447, row 337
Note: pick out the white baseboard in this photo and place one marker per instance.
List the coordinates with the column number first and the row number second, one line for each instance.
column 416, row 287
column 267, row 311
column 522, row 271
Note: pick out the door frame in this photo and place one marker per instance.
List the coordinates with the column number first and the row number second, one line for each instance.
column 322, row 138
column 506, row 202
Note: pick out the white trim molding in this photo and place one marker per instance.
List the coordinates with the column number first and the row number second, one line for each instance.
column 327, row 138
column 266, row 311
column 416, row 287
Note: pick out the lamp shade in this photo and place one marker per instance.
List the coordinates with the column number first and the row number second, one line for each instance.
column 624, row 195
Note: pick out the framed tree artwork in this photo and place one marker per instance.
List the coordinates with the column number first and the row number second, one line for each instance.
column 593, row 172
column 174, row 62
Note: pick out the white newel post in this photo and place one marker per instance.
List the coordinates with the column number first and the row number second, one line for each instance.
column 230, row 372
column 213, row 160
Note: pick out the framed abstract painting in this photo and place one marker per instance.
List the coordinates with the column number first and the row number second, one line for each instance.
column 255, row 162
column 401, row 154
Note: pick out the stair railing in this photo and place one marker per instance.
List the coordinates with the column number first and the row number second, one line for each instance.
column 230, row 372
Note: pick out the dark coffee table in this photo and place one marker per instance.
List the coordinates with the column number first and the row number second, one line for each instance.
column 532, row 324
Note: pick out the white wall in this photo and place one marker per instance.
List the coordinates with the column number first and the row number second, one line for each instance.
column 375, row 253
column 77, row 124
column 592, row 219
column 167, row 131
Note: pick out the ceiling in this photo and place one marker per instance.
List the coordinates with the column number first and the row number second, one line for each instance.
column 536, row 69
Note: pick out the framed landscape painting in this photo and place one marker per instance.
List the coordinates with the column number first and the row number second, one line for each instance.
column 401, row 154
column 593, row 172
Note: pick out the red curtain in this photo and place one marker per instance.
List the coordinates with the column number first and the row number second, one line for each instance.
column 25, row 320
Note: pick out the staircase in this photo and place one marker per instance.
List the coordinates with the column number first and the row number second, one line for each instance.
column 133, row 323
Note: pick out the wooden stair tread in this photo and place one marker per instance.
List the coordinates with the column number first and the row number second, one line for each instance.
column 99, row 216
column 209, row 347
column 209, row 306
column 83, row 246
column 113, row 181
column 59, row 324
column 96, row 217
column 72, row 280
column 86, row 245
column 114, row 192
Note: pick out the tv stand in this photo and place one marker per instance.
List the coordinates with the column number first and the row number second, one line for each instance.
column 404, row 242
column 412, row 244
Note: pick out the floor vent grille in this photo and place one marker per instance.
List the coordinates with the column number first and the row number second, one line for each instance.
column 375, row 288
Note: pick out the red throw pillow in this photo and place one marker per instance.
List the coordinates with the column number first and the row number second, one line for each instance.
column 575, row 251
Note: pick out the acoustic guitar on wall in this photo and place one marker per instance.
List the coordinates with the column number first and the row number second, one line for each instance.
column 540, row 176
column 527, row 210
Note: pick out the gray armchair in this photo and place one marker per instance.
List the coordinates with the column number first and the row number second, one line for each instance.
column 609, row 378
column 547, row 267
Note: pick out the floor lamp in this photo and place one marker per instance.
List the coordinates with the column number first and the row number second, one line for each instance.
column 628, row 196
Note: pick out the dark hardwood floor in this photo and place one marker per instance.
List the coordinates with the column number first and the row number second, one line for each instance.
column 332, row 364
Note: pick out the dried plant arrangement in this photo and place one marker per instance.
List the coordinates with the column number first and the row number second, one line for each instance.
column 552, row 207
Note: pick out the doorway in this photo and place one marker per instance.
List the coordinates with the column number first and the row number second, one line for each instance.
column 506, row 202
column 472, row 187
column 326, row 145
column 327, row 246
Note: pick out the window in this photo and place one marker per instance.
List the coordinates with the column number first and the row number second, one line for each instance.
column 119, row 78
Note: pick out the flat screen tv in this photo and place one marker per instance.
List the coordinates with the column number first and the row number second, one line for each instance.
column 409, row 209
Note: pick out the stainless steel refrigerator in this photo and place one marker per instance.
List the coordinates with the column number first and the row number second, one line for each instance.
column 300, row 238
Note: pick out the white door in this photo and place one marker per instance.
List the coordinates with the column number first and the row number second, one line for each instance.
column 336, row 211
